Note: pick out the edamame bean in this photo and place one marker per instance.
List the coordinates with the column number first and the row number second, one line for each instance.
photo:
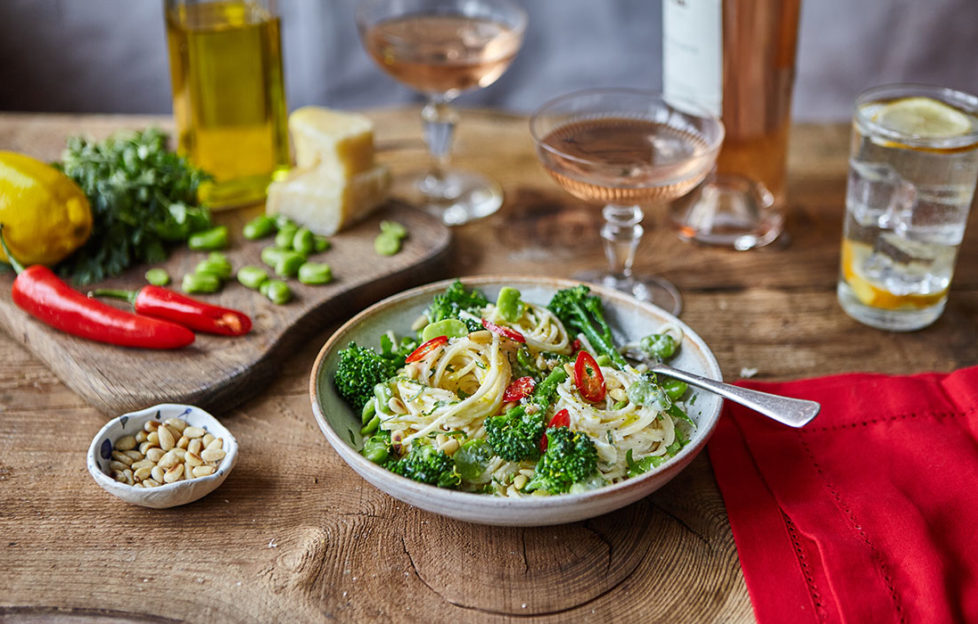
column 288, row 263
column 259, row 227
column 386, row 244
column 222, row 270
column 674, row 388
column 281, row 221
column 320, row 243
column 509, row 305
column 369, row 409
column 158, row 277
column 371, row 426
column 277, row 291
column 659, row 346
column 200, row 283
column 252, row 276
column 285, row 236
column 303, row 241
column 315, row 273
column 375, row 449
column 453, row 328
column 271, row 255
column 393, row 228
column 214, row 238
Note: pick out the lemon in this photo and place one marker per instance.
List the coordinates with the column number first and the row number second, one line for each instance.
column 923, row 117
column 874, row 295
column 45, row 215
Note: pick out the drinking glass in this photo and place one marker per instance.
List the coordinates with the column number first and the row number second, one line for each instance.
column 626, row 149
column 912, row 172
column 443, row 48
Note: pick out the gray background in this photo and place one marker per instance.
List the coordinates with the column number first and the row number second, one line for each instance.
column 110, row 55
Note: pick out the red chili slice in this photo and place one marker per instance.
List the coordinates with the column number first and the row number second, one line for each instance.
column 560, row 419
column 588, row 378
column 576, row 345
column 426, row 348
column 505, row 332
column 518, row 388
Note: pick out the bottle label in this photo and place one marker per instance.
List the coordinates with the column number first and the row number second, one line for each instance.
column 692, row 51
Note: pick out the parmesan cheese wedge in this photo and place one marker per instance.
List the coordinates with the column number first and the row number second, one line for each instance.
column 325, row 201
column 332, row 139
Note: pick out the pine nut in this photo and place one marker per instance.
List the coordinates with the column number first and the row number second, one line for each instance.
column 618, row 394
column 203, row 471
column 143, row 463
column 135, row 455
column 450, row 445
column 142, row 473
column 122, row 457
column 481, row 337
column 141, row 437
column 188, row 472
column 212, row 454
column 175, row 473
column 179, row 452
column 194, row 432
column 125, row 443
column 157, row 474
column 183, row 442
column 168, row 460
column 193, row 459
column 520, row 481
column 196, row 446
column 145, row 446
column 154, row 454
column 128, row 475
column 216, row 443
column 151, row 425
column 151, row 483
column 176, row 424
column 117, row 465
column 154, row 438
column 167, row 440
column 208, row 438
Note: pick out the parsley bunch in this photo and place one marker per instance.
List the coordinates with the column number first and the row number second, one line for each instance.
column 143, row 199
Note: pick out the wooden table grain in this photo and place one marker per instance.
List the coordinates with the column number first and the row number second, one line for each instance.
column 294, row 535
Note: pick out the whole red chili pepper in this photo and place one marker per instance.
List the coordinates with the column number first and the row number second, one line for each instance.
column 39, row 292
column 172, row 306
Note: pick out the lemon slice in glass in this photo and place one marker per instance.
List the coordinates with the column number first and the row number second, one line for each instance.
column 923, row 117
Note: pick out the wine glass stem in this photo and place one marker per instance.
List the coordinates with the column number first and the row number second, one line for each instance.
column 621, row 232
column 439, row 119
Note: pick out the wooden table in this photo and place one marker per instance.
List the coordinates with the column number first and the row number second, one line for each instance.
column 295, row 535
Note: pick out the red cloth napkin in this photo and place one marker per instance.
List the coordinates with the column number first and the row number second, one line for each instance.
column 869, row 513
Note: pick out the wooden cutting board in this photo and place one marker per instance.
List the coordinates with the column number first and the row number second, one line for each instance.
column 218, row 372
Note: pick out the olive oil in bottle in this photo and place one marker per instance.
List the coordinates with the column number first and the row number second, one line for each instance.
column 229, row 95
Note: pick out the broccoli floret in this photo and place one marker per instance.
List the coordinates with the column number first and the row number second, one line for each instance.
column 583, row 312
column 456, row 299
column 359, row 370
column 570, row 457
column 429, row 465
column 515, row 435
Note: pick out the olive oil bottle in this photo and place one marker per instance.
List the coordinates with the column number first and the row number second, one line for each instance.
column 229, row 95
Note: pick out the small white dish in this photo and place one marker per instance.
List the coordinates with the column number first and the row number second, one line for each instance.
column 170, row 494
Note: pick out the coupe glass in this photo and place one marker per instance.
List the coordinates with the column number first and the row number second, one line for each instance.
column 626, row 149
column 443, row 48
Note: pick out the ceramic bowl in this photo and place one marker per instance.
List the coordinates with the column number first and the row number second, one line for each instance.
column 629, row 319
column 170, row 494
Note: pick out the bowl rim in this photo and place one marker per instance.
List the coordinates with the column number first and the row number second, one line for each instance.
column 362, row 465
column 147, row 413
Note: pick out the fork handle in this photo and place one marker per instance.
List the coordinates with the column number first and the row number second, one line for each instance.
column 791, row 412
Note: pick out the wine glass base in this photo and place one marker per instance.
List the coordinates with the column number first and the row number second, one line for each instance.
column 647, row 288
column 728, row 211
column 456, row 197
